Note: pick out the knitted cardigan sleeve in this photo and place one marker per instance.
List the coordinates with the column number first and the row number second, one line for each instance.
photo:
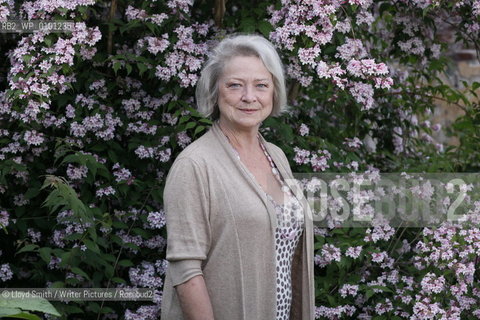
column 186, row 204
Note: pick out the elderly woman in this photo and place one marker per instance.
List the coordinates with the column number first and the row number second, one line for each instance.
column 240, row 242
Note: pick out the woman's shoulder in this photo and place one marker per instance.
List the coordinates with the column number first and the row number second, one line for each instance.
column 201, row 149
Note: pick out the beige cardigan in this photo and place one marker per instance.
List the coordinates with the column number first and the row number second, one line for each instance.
column 220, row 224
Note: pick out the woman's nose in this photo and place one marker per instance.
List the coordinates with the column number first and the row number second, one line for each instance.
column 248, row 94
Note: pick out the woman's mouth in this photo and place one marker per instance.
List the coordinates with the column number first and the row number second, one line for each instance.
column 248, row 111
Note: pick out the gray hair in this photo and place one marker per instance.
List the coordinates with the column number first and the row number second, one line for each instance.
column 234, row 46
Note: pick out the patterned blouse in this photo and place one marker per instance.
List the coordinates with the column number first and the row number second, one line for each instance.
column 290, row 224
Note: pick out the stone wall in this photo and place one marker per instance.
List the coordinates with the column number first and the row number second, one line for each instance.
column 466, row 67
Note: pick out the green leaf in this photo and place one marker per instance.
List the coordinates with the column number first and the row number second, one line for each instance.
column 91, row 245
column 183, row 119
column 190, row 125
column 33, row 304
column 8, row 311
column 369, row 294
column 125, row 263
column 45, row 254
column 265, row 28
column 118, row 280
column 141, row 68
column 32, row 193
column 331, row 300
column 26, row 58
column 198, row 130
column 28, row 248
column 80, row 272
column 47, row 41
column 116, row 66
column 25, row 315
column 475, row 85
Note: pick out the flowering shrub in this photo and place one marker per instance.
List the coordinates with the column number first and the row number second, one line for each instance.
column 92, row 120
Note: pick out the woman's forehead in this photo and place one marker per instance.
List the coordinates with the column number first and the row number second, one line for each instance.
column 246, row 67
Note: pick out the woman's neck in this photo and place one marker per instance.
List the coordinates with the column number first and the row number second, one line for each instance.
column 242, row 140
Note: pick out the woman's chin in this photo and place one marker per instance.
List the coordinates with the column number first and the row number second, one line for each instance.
column 248, row 122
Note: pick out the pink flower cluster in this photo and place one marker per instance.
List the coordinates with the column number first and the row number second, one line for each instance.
column 297, row 20
column 4, row 219
column 5, row 9
column 145, row 276
column 37, row 68
column 317, row 160
column 328, row 254
column 156, row 219
column 183, row 58
column 122, row 174
column 186, row 57
column 5, row 272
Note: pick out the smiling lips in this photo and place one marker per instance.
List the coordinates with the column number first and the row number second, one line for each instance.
column 248, row 110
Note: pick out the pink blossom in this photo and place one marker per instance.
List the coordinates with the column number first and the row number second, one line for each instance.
column 424, row 310
column 308, row 55
column 432, row 284
column 183, row 5
column 147, row 312
column 128, row 238
column 304, row 130
column 4, row 219
column 379, row 257
column 156, row 219
column 351, row 49
column 353, row 252
column 76, row 173
column 301, row 156
column 145, row 152
column 158, row 18
column 353, row 142
column 102, row 192
column 363, row 94
column 145, row 276
column 319, row 162
column 132, row 13
column 330, row 252
column 343, row 26
column 121, row 174
column 4, row 12
column 164, row 155
column 348, row 289
column 164, row 73
column 33, row 137
column 156, row 45
column 183, row 139
column 5, row 272
column 413, row 46
column 365, row 17
column 34, row 235
column 383, row 307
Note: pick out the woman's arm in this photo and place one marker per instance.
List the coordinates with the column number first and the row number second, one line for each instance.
column 194, row 299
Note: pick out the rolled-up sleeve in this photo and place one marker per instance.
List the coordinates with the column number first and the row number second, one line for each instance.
column 186, row 205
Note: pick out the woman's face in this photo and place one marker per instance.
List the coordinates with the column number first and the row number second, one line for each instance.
column 245, row 93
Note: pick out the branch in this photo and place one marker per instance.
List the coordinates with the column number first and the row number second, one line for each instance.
column 113, row 10
column 219, row 12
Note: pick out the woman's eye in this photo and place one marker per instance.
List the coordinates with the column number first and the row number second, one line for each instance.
column 233, row 85
column 262, row 85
